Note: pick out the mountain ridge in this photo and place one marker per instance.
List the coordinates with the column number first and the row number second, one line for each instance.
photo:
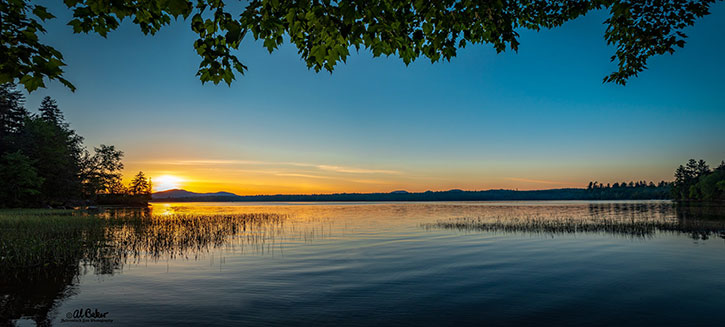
column 180, row 193
column 399, row 195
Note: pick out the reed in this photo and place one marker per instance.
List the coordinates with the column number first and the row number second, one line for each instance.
column 42, row 252
column 632, row 226
column 50, row 238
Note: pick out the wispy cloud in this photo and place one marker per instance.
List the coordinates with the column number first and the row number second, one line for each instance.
column 300, row 175
column 370, row 181
column 205, row 162
column 527, row 180
column 324, row 167
column 356, row 170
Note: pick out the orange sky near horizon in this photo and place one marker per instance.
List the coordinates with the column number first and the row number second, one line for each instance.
column 537, row 118
column 252, row 177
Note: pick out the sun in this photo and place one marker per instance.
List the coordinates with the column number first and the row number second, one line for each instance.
column 166, row 182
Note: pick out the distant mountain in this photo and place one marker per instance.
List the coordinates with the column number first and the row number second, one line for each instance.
column 178, row 194
column 450, row 195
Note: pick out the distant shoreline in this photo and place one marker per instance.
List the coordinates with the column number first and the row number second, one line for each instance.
column 402, row 196
column 394, row 201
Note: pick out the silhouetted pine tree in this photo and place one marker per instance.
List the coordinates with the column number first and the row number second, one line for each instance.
column 12, row 116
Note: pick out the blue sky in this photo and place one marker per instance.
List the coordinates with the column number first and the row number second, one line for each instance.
column 539, row 118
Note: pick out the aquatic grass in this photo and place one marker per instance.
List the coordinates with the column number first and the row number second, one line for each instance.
column 181, row 234
column 44, row 238
column 630, row 219
column 41, row 239
column 10, row 213
column 42, row 252
column 633, row 226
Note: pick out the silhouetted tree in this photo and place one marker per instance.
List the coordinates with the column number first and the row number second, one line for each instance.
column 55, row 150
column 710, row 187
column 116, row 187
column 139, row 185
column 102, row 170
column 50, row 112
column 20, row 181
column 325, row 31
column 12, row 116
column 695, row 181
column 43, row 161
column 628, row 191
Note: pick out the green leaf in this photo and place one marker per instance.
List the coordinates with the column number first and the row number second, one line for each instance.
column 179, row 8
column 42, row 13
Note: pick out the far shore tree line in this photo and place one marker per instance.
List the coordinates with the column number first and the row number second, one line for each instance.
column 43, row 162
column 633, row 190
column 695, row 181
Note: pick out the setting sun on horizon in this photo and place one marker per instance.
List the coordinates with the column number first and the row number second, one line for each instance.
column 166, row 182
column 246, row 176
column 362, row 163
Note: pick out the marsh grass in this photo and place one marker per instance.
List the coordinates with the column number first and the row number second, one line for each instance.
column 176, row 235
column 42, row 239
column 639, row 227
column 48, row 238
column 42, row 252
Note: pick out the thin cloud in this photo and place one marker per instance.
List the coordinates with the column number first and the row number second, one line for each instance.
column 300, row 175
column 208, row 162
column 356, row 170
column 370, row 181
column 330, row 168
column 527, row 180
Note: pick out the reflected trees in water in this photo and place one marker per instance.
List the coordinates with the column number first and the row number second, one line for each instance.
column 43, row 253
column 619, row 219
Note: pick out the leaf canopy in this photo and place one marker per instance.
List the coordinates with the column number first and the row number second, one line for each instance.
column 324, row 31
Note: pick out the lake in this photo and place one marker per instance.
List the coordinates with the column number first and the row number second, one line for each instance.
column 627, row 263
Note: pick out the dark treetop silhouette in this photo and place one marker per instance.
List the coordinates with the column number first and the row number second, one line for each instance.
column 697, row 182
column 43, row 161
column 324, row 31
column 631, row 191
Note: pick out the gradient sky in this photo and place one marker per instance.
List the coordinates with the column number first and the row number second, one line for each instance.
column 539, row 118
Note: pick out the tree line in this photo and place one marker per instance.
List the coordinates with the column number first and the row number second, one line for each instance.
column 633, row 190
column 695, row 181
column 43, row 162
column 451, row 195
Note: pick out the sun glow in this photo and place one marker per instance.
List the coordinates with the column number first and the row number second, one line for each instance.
column 166, row 182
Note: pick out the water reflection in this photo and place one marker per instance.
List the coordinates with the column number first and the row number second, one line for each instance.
column 42, row 256
column 630, row 219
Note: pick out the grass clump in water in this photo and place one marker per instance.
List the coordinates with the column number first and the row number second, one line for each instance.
column 698, row 229
column 42, row 252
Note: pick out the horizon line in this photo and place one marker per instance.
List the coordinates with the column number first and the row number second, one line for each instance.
column 388, row 192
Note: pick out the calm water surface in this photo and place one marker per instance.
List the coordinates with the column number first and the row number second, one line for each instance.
column 430, row 264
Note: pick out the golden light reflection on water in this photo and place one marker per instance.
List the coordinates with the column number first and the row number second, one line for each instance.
column 178, row 236
column 164, row 209
column 632, row 218
column 189, row 230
